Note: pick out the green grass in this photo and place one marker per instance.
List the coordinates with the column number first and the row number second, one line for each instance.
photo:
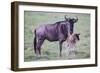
column 50, row 50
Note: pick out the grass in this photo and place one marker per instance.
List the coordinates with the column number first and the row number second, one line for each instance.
column 50, row 50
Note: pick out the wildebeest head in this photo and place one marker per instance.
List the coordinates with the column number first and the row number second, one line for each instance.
column 71, row 23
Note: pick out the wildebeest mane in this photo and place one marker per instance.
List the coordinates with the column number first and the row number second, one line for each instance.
column 59, row 22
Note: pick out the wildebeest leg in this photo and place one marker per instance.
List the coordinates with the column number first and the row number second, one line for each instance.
column 39, row 44
column 60, row 44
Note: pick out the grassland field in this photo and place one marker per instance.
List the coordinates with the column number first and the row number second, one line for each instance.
column 50, row 50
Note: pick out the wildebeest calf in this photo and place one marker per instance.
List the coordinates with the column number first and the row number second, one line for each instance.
column 71, row 41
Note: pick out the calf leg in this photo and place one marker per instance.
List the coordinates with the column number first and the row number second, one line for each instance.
column 68, row 49
column 71, row 49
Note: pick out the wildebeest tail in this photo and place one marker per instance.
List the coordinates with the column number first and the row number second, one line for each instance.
column 35, row 41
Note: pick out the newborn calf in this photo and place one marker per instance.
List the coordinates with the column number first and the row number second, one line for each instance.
column 72, row 40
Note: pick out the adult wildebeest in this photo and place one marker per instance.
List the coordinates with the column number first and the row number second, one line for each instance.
column 58, row 31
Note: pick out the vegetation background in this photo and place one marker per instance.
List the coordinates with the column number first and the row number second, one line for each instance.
column 50, row 50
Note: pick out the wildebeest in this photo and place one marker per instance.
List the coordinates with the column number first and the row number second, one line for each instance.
column 58, row 31
column 71, row 43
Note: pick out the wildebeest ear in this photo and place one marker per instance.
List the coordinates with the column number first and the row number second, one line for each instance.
column 67, row 19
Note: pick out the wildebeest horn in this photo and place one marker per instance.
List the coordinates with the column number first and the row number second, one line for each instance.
column 66, row 18
column 75, row 19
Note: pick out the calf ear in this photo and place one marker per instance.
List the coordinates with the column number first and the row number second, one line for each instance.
column 78, row 34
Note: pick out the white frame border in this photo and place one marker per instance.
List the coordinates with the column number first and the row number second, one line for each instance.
column 34, row 64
